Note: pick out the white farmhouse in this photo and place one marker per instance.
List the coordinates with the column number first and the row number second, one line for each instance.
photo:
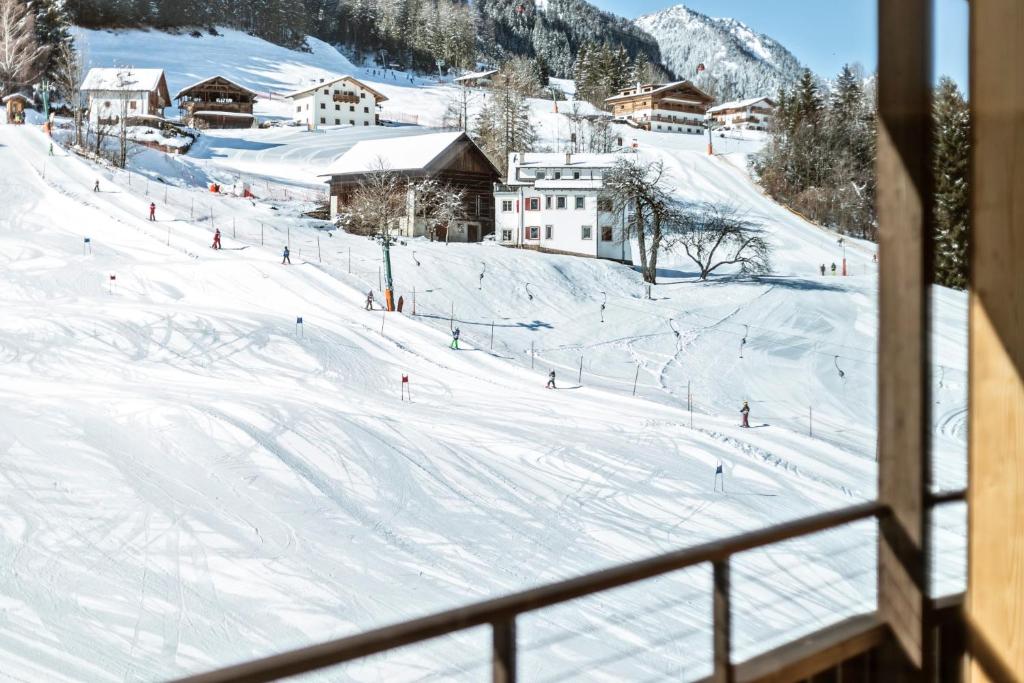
column 124, row 91
column 552, row 202
column 754, row 114
column 342, row 101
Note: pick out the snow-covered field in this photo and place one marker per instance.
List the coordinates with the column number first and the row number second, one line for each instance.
column 190, row 479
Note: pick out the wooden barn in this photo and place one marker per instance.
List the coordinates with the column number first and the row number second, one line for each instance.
column 216, row 103
column 15, row 103
column 450, row 157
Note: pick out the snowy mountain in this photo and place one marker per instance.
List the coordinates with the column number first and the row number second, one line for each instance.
column 739, row 62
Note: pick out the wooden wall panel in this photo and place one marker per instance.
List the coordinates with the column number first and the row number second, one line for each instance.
column 905, row 269
column 995, row 594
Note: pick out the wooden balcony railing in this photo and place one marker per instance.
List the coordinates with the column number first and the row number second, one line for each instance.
column 347, row 98
column 844, row 641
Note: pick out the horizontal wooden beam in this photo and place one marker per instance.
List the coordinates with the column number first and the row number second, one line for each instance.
column 507, row 607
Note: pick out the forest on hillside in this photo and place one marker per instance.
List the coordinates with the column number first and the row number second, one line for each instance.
column 820, row 161
column 411, row 33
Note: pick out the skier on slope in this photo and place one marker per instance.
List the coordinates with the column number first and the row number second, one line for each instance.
column 152, row 211
column 216, row 239
column 369, row 300
column 551, row 380
column 455, row 339
column 286, row 256
column 823, row 269
column 96, row 187
column 745, row 412
column 833, row 268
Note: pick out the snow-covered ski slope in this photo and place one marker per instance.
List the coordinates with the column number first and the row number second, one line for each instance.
column 191, row 480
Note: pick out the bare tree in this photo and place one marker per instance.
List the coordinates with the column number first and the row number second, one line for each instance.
column 126, row 80
column 19, row 50
column 644, row 192
column 448, row 207
column 456, row 113
column 377, row 203
column 68, row 77
column 716, row 235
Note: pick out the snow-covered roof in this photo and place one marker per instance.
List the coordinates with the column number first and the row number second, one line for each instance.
column 412, row 153
column 14, row 96
column 211, row 78
column 476, row 74
column 557, row 160
column 740, row 104
column 655, row 88
column 124, row 79
column 328, row 83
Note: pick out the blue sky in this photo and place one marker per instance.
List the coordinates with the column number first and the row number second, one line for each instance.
column 824, row 34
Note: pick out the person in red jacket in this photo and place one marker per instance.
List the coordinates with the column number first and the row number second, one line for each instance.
column 152, row 211
column 216, row 239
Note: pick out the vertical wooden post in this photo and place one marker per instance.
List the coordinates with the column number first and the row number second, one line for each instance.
column 503, row 660
column 722, row 624
column 995, row 581
column 905, row 273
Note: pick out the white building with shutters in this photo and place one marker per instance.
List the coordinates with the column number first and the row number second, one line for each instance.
column 757, row 113
column 341, row 101
column 135, row 94
column 554, row 203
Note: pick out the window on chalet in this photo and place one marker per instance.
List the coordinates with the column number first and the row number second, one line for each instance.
column 351, row 107
column 575, row 175
column 532, row 232
column 558, row 175
column 351, row 122
column 323, row 105
column 606, row 233
column 366, row 110
column 506, row 235
column 581, row 202
column 548, row 231
column 327, row 91
column 533, row 203
column 362, row 96
column 559, row 202
column 366, row 123
column 506, row 205
column 547, row 202
column 337, row 122
column 587, row 232
column 323, row 120
column 298, row 108
column 132, row 104
column 337, row 107
column 541, row 174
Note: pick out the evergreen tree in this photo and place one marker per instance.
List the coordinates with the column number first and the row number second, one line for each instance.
column 952, row 147
column 52, row 26
column 504, row 124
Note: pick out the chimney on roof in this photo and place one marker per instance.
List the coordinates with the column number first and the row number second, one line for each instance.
column 321, row 80
column 568, row 158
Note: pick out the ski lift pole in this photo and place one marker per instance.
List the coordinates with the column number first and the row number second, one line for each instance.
column 707, row 124
column 636, row 378
column 389, row 296
column 492, row 335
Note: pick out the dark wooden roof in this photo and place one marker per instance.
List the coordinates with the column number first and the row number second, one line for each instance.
column 217, row 81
